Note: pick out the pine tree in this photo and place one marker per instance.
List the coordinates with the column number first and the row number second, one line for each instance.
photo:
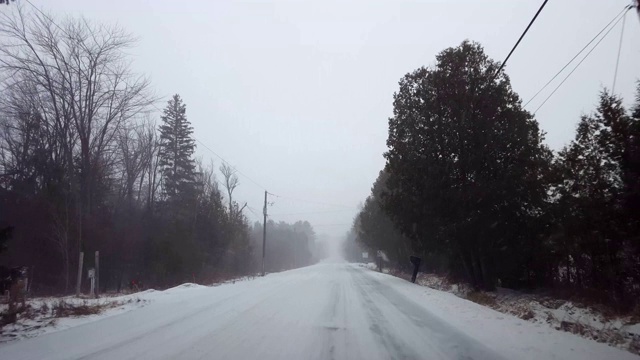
column 466, row 166
column 176, row 150
column 631, row 172
column 591, row 199
column 375, row 229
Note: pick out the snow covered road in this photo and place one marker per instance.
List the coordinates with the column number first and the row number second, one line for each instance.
column 325, row 311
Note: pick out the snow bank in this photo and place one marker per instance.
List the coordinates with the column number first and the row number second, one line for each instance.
column 183, row 286
column 557, row 314
column 50, row 314
column 509, row 335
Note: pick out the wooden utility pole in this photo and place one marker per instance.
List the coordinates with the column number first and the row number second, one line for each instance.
column 295, row 248
column 264, row 230
column 79, row 282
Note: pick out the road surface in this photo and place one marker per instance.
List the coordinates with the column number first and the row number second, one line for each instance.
column 325, row 311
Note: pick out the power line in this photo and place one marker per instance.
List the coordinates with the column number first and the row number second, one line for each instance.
column 221, row 158
column 319, row 225
column 260, row 186
column 576, row 55
column 46, row 17
column 228, row 163
column 314, row 202
column 312, row 212
column 615, row 73
column 253, row 211
column 520, row 39
column 576, row 67
column 257, row 184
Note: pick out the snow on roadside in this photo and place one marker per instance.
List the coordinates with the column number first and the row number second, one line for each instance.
column 49, row 314
column 185, row 286
column 558, row 314
column 373, row 266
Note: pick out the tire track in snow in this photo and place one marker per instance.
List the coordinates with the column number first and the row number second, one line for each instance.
column 392, row 314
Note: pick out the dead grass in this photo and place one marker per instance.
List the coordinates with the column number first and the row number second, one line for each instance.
column 528, row 315
column 8, row 317
column 65, row 309
column 634, row 316
column 482, row 298
column 634, row 346
column 524, row 307
column 11, row 314
column 523, row 311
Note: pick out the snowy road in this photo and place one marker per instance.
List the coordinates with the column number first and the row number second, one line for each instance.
column 326, row 311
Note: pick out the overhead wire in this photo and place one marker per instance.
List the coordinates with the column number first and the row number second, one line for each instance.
column 623, row 12
column 229, row 164
column 211, row 150
column 520, row 39
column 578, row 65
column 253, row 211
column 47, row 17
column 258, row 184
column 615, row 73
column 221, row 158
column 313, row 201
column 311, row 212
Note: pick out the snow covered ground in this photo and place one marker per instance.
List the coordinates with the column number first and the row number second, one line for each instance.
column 51, row 314
column 325, row 311
column 590, row 322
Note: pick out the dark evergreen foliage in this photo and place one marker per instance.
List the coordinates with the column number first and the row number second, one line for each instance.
column 470, row 187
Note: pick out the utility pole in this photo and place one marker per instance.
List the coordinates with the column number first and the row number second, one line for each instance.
column 295, row 248
column 264, row 230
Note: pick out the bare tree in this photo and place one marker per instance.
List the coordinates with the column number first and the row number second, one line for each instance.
column 230, row 183
column 60, row 237
column 153, row 166
column 82, row 92
column 135, row 152
column 83, row 82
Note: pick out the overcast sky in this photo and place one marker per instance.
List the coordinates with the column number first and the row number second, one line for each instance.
column 296, row 94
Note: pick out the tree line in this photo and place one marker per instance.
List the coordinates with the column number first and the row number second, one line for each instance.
column 85, row 168
column 289, row 246
column 470, row 186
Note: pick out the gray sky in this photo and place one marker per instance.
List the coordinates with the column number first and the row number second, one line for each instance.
column 296, row 94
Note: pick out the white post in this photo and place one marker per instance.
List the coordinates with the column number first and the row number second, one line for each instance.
column 97, row 273
column 92, row 277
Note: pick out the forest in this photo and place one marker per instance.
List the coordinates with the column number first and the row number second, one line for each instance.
column 471, row 187
column 87, row 164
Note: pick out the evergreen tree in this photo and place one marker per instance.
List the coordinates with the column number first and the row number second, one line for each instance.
column 176, row 150
column 375, row 229
column 631, row 173
column 466, row 166
column 595, row 220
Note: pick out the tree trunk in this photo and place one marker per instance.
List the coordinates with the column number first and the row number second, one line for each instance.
column 488, row 282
